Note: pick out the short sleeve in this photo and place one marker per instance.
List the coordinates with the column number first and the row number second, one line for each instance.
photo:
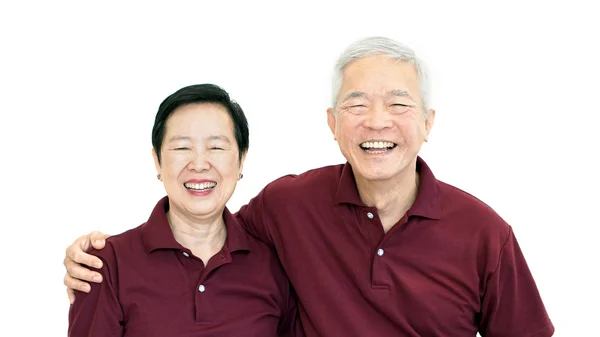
column 98, row 313
column 512, row 305
column 252, row 218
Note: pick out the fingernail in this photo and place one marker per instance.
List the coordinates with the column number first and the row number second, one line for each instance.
column 98, row 242
column 97, row 265
column 85, row 288
column 96, row 278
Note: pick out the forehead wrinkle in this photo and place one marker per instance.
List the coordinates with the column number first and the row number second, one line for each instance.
column 174, row 138
column 219, row 137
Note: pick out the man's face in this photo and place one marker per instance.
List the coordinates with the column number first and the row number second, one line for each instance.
column 379, row 121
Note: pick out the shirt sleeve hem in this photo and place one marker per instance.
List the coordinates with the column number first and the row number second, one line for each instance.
column 546, row 332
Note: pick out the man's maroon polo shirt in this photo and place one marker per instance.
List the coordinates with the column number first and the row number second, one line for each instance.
column 450, row 267
column 155, row 287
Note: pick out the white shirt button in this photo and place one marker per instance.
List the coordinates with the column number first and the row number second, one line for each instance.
column 201, row 288
column 370, row 215
column 186, row 254
column 380, row 252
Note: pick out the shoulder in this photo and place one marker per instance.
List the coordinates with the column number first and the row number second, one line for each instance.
column 119, row 245
column 317, row 180
column 463, row 209
column 474, row 225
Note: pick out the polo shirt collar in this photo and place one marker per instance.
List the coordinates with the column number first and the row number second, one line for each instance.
column 157, row 234
column 426, row 205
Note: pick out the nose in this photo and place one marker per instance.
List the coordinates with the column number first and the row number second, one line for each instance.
column 199, row 161
column 378, row 118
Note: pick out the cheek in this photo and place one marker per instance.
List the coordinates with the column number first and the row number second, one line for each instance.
column 348, row 129
column 411, row 130
column 226, row 165
column 175, row 165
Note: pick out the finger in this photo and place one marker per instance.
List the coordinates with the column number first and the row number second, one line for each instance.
column 82, row 243
column 77, row 255
column 79, row 272
column 98, row 239
column 96, row 235
column 75, row 284
column 71, row 294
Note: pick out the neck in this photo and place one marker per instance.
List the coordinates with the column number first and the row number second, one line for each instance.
column 204, row 237
column 392, row 197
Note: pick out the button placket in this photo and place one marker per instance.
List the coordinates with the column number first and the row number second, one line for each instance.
column 376, row 282
column 203, row 298
column 205, row 294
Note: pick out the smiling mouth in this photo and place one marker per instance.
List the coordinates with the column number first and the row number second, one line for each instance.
column 377, row 147
column 200, row 187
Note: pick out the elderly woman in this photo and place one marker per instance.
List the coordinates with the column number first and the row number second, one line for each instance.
column 190, row 270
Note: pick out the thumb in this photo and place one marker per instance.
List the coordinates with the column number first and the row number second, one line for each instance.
column 98, row 239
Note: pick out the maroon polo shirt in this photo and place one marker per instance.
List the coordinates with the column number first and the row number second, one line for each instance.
column 153, row 286
column 450, row 267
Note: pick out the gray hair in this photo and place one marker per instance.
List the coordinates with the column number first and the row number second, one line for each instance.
column 379, row 46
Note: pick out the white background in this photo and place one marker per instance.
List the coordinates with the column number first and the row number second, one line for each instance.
column 515, row 87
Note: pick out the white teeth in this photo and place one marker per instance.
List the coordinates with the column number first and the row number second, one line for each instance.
column 377, row 145
column 200, row 186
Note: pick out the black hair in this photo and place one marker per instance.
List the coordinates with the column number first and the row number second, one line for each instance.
column 201, row 93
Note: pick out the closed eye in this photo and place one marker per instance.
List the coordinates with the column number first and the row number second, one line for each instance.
column 399, row 108
column 357, row 109
column 181, row 148
column 216, row 148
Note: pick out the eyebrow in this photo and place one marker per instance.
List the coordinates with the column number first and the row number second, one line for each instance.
column 395, row 92
column 399, row 93
column 354, row 94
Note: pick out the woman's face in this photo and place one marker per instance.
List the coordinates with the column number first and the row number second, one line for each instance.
column 199, row 160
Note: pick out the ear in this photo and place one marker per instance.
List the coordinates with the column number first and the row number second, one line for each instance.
column 429, row 123
column 331, row 121
column 156, row 162
column 242, row 162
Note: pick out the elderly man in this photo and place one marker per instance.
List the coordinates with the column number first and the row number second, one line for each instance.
column 378, row 246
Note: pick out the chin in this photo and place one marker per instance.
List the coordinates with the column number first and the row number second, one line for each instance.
column 376, row 175
column 203, row 212
column 381, row 172
column 200, row 209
